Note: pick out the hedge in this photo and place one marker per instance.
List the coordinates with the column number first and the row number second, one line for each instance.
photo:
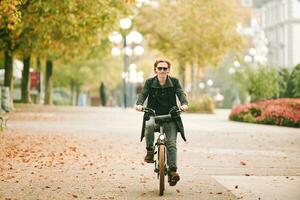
column 282, row 112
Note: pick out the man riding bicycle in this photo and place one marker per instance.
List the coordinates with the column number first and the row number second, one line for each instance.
column 160, row 92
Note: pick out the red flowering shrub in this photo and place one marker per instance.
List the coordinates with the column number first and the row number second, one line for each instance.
column 282, row 112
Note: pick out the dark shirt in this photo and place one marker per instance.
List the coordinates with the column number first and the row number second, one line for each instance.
column 162, row 98
column 163, row 106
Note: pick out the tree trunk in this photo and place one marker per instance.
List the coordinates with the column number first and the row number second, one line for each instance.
column 197, row 77
column 8, row 76
column 72, row 88
column 102, row 94
column 77, row 89
column 40, row 87
column 182, row 74
column 25, row 83
column 193, row 88
column 48, row 89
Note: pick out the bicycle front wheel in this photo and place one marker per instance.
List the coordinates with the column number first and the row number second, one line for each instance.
column 161, row 169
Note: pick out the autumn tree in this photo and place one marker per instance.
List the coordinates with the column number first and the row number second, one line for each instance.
column 194, row 32
column 10, row 17
column 71, row 27
column 54, row 30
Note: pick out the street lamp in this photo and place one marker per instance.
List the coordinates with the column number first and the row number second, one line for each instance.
column 130, row 39
column 125, row 23
column 209, row 82
column 116, row 38
column 248, row 59
column 231, row 70
column 201, row 85
column 236, row 64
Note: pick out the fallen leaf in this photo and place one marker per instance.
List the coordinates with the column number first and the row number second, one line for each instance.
column 75, row 196
column 219, row 193
column 236, row 187
column 178, row 191
column 73, row 149
column 242, row 162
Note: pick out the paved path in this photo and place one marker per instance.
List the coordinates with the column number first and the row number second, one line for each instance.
column 95, row 153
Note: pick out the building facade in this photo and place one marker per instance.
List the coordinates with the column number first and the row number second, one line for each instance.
column 280, row 20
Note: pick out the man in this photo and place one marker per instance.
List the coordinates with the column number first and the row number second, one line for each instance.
column 161, row 91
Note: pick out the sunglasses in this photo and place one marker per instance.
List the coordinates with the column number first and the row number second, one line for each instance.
column 162, row 68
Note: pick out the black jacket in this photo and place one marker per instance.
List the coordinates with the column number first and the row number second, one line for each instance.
column 150, row 91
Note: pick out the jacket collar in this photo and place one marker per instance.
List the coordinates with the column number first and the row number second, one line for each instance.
column 155, row 83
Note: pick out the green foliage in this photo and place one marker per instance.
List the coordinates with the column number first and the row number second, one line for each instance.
column 249, row 118
column 285, row 75
column 293, row 84
column 87, row 73
column 203, row 104
column 260, row 83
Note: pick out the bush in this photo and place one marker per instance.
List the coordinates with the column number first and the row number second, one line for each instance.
column 282, row 112
column 285, row 75
column 293, row 84
column 249, row 118
column 203, row 104
column 260, row 83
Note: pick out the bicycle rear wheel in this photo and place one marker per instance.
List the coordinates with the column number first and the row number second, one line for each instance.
column 161, row 169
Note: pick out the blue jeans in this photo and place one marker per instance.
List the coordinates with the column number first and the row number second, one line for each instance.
column 170, row 130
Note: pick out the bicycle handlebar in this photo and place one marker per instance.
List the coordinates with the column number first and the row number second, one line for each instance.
column 173, row 110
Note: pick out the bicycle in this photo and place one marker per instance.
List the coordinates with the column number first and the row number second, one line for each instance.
column 160, row 166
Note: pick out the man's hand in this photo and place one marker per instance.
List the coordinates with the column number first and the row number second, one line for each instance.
column 139, row 108
column 184, row 108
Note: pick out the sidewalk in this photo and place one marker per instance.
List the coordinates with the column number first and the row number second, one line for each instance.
column 95, row 153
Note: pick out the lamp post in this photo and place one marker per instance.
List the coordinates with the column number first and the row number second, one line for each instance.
column 125, row 24
column 117, row 38
column 129, row 39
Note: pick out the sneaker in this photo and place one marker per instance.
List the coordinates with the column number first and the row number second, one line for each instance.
column 173, row 178
column 149, row 158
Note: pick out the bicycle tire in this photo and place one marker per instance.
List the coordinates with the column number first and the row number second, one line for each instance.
column 161, row 169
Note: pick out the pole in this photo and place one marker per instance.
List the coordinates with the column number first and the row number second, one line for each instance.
column 126, row 62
